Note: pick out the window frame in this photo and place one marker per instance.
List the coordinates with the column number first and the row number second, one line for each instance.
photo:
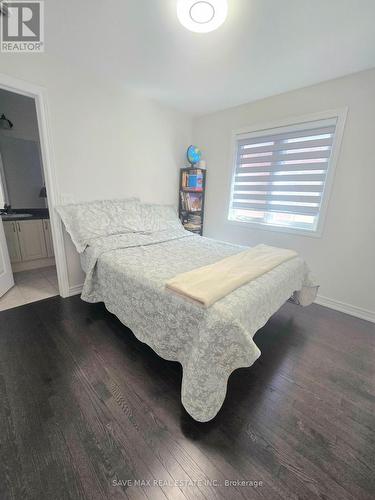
column 340, row 114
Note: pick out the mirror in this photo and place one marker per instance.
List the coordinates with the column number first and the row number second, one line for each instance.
column 21, row 173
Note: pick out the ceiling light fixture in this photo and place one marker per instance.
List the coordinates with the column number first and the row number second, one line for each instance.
column 202, row 16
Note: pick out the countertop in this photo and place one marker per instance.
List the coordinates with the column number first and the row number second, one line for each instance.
column 35, row 214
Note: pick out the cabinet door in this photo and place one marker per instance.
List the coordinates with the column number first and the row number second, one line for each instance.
column 48, row 237
column 31, row 238
column 11, row 234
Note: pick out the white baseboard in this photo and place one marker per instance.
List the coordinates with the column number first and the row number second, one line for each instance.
column 75, row 290
column 356, row 311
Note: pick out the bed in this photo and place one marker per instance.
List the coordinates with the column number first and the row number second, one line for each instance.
column 127, row 268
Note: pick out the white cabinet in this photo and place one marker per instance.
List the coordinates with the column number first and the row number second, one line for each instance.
column 11, row 235
column 32, row 240
column 48, row 237
column 29, row 240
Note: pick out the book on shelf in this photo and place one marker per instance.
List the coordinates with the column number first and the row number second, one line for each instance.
column 191, row 201
column 195, row 181
column 192, row 180
column 192, row 222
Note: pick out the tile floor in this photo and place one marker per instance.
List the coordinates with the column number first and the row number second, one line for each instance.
column 31, row 286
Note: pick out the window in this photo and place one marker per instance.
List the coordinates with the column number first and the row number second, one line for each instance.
column 281, row 174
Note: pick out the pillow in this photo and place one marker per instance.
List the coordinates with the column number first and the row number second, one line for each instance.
column 158, row 217
column 91, row 220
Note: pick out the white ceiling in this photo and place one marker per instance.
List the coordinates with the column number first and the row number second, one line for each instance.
column 264, row 48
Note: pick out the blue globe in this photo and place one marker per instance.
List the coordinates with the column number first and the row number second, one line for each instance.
column 194, row 154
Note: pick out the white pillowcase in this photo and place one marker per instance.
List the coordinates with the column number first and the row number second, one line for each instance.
column 91, row 220
column 158, row 217
column 88, row 221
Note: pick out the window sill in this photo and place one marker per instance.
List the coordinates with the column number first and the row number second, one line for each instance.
column 279, row 229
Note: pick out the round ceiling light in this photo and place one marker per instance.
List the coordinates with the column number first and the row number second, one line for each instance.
column 202, row 16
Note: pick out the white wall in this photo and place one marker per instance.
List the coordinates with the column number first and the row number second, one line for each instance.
column 343, row 259
column 108, row 141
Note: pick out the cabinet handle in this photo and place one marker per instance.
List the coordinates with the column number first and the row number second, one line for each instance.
column 14, row 227
column 19, row 227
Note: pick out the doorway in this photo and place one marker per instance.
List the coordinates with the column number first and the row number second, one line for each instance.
column 29, row 227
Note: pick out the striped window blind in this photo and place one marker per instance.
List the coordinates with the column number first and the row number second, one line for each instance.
column 280, row 174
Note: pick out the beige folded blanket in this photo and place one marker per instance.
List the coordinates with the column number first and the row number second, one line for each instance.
column 210, row 283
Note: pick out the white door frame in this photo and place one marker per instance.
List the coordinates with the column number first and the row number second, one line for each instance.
column 48, row 164
column 6, row 274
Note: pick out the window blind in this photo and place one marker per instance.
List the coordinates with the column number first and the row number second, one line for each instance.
column 280, row 174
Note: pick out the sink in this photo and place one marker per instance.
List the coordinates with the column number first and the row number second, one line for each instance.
column 13, row 216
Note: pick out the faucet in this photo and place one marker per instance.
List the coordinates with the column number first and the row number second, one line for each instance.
column 7, row 208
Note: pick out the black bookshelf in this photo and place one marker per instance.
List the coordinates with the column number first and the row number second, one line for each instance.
column 191, row 200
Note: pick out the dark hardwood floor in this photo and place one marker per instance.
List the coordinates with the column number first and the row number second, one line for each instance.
column 86, row 410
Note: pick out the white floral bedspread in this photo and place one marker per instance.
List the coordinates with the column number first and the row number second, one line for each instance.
column 128, row 273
